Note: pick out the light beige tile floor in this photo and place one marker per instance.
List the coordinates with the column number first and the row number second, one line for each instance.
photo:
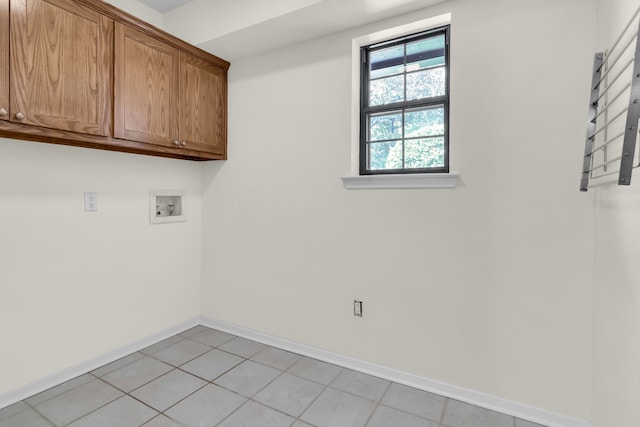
column 207, row 378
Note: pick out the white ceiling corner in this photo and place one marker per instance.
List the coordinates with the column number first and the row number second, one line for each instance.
column 235, row 29
column 164, row 6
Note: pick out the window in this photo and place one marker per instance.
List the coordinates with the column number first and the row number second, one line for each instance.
column 404, row 105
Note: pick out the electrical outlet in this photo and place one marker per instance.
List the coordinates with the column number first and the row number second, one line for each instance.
column 90, row 202
column 357, row 308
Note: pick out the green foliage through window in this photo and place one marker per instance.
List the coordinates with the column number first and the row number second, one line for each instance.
column 405, row 105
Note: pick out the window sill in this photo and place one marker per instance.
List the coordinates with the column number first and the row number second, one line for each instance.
column 431, row 180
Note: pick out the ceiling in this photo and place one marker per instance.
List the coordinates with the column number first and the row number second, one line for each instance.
column 163, row 6
column 234, row 29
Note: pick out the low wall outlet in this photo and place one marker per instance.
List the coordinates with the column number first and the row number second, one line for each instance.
column 90, row 202
column 357, row 308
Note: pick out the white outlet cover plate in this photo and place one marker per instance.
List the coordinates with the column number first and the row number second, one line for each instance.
column 90, row 201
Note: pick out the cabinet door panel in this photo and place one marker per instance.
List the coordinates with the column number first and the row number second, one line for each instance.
column 60, row 66
column 146, row 72
column 4, row 59
column 203, row 105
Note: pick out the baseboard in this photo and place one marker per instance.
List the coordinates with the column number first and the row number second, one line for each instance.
column 60, row 377
column 483, row 400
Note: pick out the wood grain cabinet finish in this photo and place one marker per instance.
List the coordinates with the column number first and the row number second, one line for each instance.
column 60, row 66
column 167, row 97
column 84, row 73
column 146, row 74
column 203, row 100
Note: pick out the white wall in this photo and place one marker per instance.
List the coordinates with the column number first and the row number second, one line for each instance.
column 488, row 286
column 208, row 20
column 617, row 298
column 76, row 285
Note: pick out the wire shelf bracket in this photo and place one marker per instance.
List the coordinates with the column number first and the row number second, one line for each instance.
column 631, row 126
column 597, row 113
column 598, row 61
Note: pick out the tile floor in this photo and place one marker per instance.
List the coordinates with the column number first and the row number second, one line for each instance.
column 204, row 378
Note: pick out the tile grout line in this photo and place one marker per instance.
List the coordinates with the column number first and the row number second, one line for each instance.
column 178, row 338
column 378, row 403
column 4, row 417
column 295, row 418
column 207, row 382
column 176, row 366
column 36, row 411
column 212, row 382
column 444, row 411
column 282, row 372
column 66, row 391
column 330, row 386
column 100, row 407
column 233, row 412
column 142, row 355
column 251, row 398
column 299, row 418
column 325, row 386
column 163, row 411
column 34, row 407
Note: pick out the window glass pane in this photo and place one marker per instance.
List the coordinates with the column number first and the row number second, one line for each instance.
column 426, row 84
column 424, row 153
column 427, row 63
column 387, row 90
column 424, row 122
column 385, row 126
column 405, row 105
column 385, row 155
column 425, row 53
column 389, row 71
column 386, row 62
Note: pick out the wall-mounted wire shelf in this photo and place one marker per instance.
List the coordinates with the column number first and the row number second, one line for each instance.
column 614, row 109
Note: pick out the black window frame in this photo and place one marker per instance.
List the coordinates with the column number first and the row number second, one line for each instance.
column 366, row 110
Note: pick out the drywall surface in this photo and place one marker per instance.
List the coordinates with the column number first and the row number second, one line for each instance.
column 75, row 285
column 617, row 298
column 202, row 20
column 243, row 28
column 140, row 10
column 488, row 286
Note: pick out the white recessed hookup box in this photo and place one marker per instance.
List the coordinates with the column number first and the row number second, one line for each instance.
column 166, row 206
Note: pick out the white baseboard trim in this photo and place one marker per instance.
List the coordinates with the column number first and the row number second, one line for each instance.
column 516, row 409
column 71, row 372
column 483, row 400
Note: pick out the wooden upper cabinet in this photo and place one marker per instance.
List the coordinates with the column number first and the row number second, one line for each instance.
column 167, row 97
column 146, row 88
column 61, row 56
column 84, row 73
column 203, row 105
column 4, row 59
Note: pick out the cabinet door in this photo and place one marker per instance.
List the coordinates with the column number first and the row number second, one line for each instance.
column 4, row 59
column 146, row 85
column 203, row 105
column 60, row 66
